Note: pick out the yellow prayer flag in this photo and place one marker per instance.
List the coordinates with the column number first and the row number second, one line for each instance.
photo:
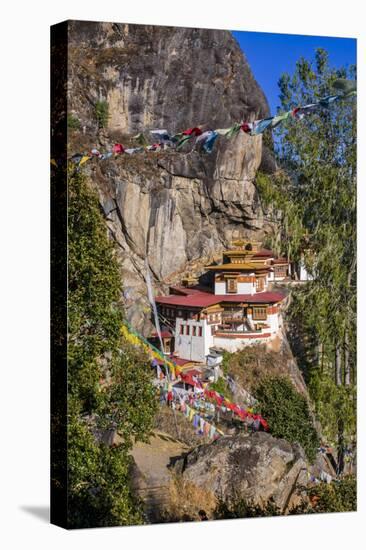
column 84, row 159
column 222, row 131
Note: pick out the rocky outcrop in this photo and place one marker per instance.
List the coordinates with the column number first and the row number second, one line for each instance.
column 255, row 468
column 177, row 209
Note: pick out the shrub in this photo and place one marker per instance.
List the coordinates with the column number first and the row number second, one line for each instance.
column 102, row 113
column 222, row 387
column 73, row 123
column 339, row 496
column 287, row 413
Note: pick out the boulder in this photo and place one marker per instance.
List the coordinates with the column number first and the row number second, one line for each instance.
column 255, row 468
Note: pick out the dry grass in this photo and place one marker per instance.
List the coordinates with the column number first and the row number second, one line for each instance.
column 186, row 499
column 250, row 365
column 186, row 433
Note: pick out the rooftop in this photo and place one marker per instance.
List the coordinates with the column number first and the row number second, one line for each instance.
column 183, row 290
column 245, row 266
column 203, row 299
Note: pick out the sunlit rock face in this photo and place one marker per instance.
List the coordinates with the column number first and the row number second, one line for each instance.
column 177, row 209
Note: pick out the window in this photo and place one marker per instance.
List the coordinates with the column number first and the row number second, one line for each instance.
column 280, row 271
column 194, row 331
column 259, row 284
column 199, row 331
column 179, row 313
column 231, row 286
column 181, row 329
column 259, row 313
column 187, row 330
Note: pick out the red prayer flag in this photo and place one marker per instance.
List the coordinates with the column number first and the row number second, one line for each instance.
column 246, row 127
column 118, row 148
column 192, row 132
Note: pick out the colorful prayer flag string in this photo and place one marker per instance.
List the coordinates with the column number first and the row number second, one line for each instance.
column 205, row 140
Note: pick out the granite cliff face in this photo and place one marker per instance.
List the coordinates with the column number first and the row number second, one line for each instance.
column 177, row 209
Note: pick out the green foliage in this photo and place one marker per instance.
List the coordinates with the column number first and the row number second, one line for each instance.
column 102, row 113
column 221, row 386
column 287, row 413
column 73, row 123
column 109, row 379
column 225, row 362
column 241, row 508
column 94, row 292
column 338, row 496
column 99, row 493
column 315, row 205
column 334, row 406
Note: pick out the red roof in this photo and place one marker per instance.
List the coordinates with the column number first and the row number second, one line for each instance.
column 189, row 290
column 203, row 299
column 264, row 252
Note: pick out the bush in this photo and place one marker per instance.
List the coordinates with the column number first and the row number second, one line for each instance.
column 102, row 113
column 287, row 413
column 221, row 386
column 340, row 496
column 73, row 123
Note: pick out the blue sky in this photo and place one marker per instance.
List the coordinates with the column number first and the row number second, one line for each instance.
column 269, row 55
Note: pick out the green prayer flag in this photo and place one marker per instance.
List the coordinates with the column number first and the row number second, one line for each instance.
column 183, row 141
column 279, row 118
column 141, row 139
column 233, row 130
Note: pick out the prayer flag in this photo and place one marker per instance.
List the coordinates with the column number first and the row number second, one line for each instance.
column 83, row 159
column 210, row 141
column 276, row 120
column 233, row 130
column 305, row 110
column 260, row 125
column 161, row 134
column 326, row 101
column 118, row 148
column 344, row 85
column 105, row 156
column 141, row 139
column 192, row 131
column 183, row 141
column 76, row 158
column 247, row 127
column 222, row 131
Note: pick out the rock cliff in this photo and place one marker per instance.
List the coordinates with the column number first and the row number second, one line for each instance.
column 256, row 468
column 177, row 209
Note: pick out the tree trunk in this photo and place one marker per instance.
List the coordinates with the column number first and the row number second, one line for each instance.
column 338, row 366
column 347, row 367
column 341, row 447
column 320, row 357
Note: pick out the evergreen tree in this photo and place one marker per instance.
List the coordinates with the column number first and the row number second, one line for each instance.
column 316, row 196
column 109, row 379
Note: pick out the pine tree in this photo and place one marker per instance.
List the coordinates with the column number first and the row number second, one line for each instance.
column 316, row 196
